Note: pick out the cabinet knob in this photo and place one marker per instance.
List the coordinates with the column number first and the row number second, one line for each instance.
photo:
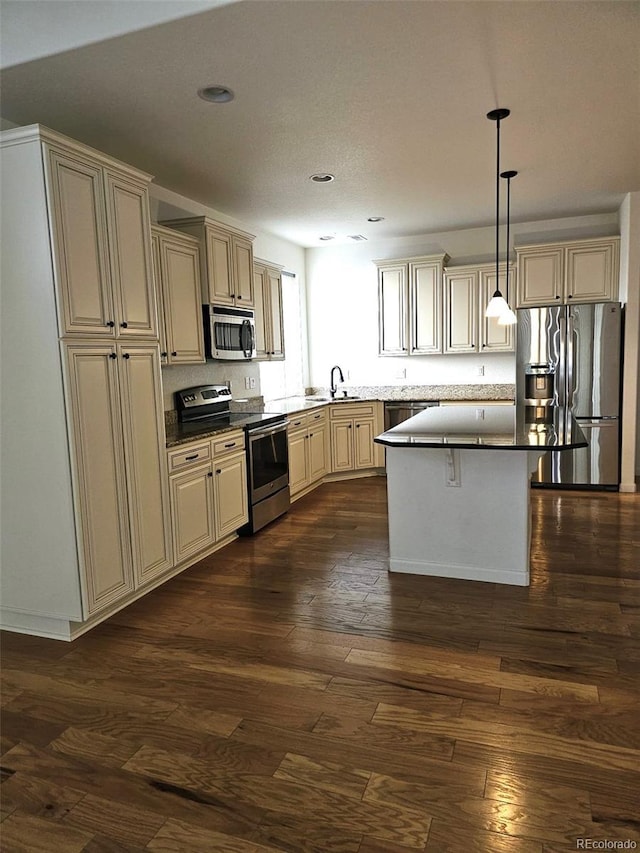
column 238, row 297
column 570, row 296
column 110, row 323
column 557, row 297
column 164, row 354
column 174, row 354
column 126, row 355
column 124, row 325
column 350, row 426
column 209, row 473
column 357, row 426
column 218, row 470
column 112, row 355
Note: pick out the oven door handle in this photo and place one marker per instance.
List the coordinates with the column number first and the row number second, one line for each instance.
column 260, row 433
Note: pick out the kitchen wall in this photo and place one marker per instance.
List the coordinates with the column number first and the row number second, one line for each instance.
column 343, row 309
column 166, row 204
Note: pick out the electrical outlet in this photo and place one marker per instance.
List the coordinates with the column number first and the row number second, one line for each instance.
column 481, row 370
column 401, row 373
column 252, row 382
column 247, row 382
column 479, row 414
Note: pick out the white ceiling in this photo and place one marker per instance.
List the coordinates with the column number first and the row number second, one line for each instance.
column 389, row 96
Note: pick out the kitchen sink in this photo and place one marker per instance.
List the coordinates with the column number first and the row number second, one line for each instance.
column 317, row 398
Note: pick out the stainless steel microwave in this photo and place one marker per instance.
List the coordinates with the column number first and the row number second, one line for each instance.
column 229, row 333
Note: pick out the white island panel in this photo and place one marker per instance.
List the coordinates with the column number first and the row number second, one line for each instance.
column 477, row 530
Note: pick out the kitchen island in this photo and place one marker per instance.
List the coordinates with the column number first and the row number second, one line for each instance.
column 458, row 486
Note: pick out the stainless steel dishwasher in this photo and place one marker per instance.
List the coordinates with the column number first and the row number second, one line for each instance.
column 401, row 410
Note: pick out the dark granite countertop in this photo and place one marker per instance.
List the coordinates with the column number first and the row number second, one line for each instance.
column 491, row 428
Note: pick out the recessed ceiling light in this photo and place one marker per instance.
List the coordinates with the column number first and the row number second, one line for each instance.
column 322, row 178
column 327, row 237
column 216, row 94
column 375, row 219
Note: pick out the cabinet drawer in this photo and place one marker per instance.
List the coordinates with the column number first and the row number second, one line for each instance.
column 189, row 454
column 316, row 417
column 352, row 410
column 299, row 421
column 230, row 442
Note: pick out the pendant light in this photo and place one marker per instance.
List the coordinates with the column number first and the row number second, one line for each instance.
column 509, row 317
column 498, row 306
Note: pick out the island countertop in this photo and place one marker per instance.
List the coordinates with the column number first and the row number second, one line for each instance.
column 497, row 427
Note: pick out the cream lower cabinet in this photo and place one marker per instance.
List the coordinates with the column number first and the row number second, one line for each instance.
column 267, row 286
column 353, row 429
column 308, row 439
column 562, row 273
column 467, row 291
column 208, row 485
column 177, row 274
column 120, row 474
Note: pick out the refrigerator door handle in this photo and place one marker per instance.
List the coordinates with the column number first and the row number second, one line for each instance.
column 561, row 377
column 572, row 345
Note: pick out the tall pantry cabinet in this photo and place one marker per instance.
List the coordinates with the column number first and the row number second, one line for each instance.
column 85, row 504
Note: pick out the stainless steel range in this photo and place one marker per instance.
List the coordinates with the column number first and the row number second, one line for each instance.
column 204, row 407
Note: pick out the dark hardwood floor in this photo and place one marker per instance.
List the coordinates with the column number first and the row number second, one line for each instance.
column 288, row 694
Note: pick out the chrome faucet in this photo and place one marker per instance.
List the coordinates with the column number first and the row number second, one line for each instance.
column 333, row 388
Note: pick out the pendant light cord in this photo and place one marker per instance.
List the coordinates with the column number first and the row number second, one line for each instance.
column 497, row 291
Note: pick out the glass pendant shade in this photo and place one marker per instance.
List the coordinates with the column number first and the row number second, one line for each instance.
column 508, row 318
column 497, row 306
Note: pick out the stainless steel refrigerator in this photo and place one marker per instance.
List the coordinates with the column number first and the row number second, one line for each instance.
column 570, row 357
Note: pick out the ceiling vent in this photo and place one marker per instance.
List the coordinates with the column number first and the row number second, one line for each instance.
column 357, row 237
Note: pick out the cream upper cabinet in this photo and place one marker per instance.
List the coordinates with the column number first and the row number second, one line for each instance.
column 410, row 305
column 393, row 308
column 226, row 261
column 102, row 249
column 576, row 271
column 425, row 306
column 467, row 291
column 494, row 337
column 267, row 287
column 118, row 456
column 177, row 267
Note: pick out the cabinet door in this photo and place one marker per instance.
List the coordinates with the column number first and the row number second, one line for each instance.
column 425, row 307
column 192, row 512
column 298, row 475
column 243, row 272
column 181, row 299
column 231, row 503
column 158, row 283
column 493, row 336
column 392, row 309
column 461, row 312
column 363, row 444
column 99, row 474
column 130, row 257
column 317, row 449
column 145, row 459
column 217, row 283
column 342, row 458
column 540, row 276
column 262, row 313
column 592, row 272
column 274, row 286
column 80, row 250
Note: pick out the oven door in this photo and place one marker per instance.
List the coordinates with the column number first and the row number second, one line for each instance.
column 268, row 461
